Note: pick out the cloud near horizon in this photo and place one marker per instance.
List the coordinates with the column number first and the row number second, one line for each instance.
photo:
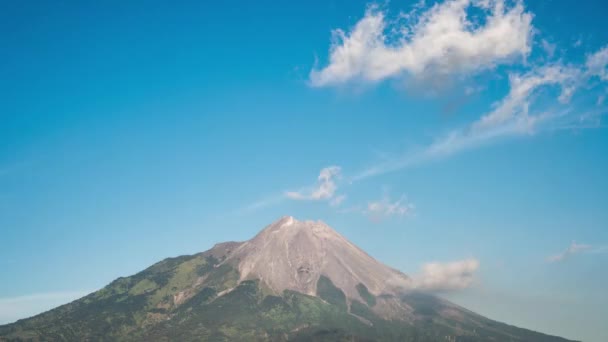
column 455, row 275
column 441, row 277
column 441, row 40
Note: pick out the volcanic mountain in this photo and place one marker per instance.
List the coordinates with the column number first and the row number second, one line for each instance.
column 294, row 280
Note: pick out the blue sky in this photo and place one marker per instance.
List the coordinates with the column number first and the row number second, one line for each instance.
column 132, row 132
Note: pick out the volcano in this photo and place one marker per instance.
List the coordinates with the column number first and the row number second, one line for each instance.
column 295, row 280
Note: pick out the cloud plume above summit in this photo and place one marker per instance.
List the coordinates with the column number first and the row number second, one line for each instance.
column 324, row 189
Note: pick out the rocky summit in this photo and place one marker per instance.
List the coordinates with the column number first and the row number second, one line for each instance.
column 295, row 280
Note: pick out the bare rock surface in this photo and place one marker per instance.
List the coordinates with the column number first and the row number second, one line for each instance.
column 292, row 255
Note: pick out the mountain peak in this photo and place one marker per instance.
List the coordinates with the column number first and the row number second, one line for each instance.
column 287, row 221
column 291, row 223
column 293, row 255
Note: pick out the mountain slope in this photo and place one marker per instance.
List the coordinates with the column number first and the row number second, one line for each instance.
column 292, row 255
column 293, row 281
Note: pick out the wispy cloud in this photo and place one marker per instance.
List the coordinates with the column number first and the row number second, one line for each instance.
column 14, row 308
column 511, row 116
column 514, row 107
column 438, row 40
column 548, row 47
column 574, row 249
column 597, row 64
column 385, row 207
column 325, row 189
column 262, row 203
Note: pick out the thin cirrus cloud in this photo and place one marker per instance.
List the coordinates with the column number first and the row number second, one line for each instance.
column 441, row 40
column 385, row 207
column 574, row 249
column 511, row 116
column 262, row 203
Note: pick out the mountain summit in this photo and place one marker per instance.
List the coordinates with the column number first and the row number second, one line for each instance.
column 293, row 255
column 295, row 280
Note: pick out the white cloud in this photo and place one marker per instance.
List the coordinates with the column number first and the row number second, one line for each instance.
column 386, row 208
column 324, row 189
column 522, row 111
column 574, row 248
column 597, row 64
column 14, row 308
column 441, row 40
column 449, row 276
column 440, row 277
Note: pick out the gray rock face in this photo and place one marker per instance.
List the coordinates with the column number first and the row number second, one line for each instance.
column 292, row 255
